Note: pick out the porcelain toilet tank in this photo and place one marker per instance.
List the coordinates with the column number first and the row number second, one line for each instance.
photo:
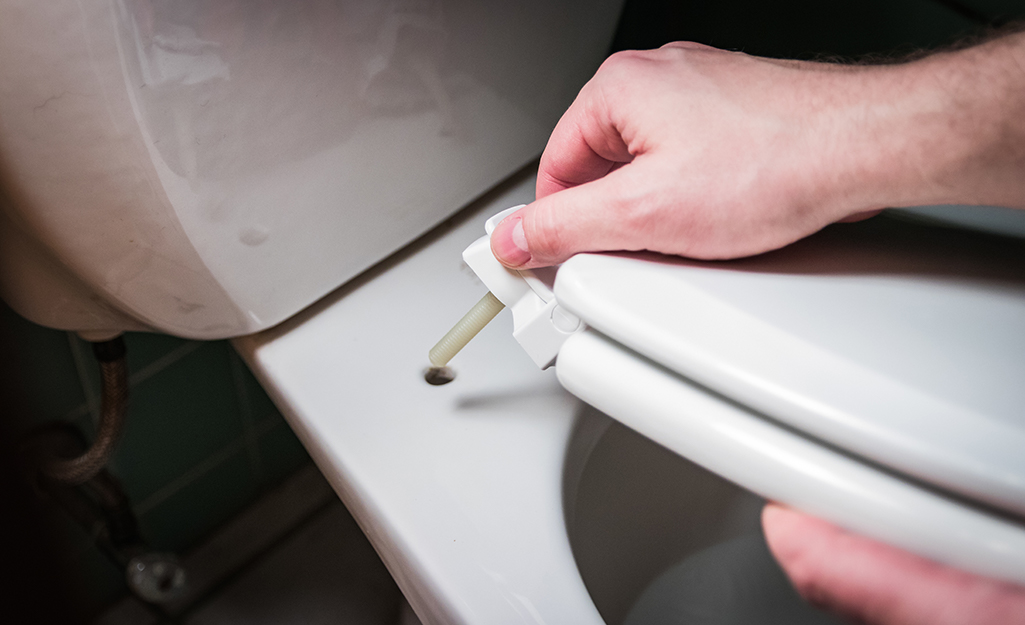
column 207, row 169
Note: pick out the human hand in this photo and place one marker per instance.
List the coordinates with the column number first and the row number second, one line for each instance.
column 689, row 150
column 872, row 583
column 699, row 152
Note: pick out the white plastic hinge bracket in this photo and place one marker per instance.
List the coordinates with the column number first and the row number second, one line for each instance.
column 540, row 325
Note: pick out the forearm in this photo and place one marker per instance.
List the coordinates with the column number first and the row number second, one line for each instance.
column 946, row 129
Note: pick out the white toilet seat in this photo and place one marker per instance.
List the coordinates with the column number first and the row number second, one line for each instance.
column 782, row 465
column 869, row 375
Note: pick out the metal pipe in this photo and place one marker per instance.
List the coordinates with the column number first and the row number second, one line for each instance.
column 113, row 407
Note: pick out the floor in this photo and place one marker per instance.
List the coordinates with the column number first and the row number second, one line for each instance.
column 294, row 557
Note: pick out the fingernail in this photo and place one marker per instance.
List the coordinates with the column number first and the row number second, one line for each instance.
column 509, row 244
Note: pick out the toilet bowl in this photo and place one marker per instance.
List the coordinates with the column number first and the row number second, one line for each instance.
column 659, row 539
column 499, row 497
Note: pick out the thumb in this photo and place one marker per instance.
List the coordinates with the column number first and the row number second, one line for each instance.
column 557, row 226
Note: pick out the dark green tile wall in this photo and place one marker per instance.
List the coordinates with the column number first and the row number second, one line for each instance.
column 201, row 442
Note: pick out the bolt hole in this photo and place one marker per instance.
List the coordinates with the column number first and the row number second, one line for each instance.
column 436, row 376
column 166, row 583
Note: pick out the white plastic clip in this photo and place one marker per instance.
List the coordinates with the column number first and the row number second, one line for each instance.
column 540, row 325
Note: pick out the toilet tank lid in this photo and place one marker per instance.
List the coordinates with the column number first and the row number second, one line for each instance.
column 902, row 343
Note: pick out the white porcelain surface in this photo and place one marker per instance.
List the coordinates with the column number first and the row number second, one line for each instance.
column 899, row 342
column 210, row 168
column 458, row 487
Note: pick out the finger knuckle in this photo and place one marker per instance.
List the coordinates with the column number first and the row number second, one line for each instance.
column 625, row 63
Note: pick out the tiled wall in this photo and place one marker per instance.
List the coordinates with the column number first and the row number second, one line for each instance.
column 201, row 441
